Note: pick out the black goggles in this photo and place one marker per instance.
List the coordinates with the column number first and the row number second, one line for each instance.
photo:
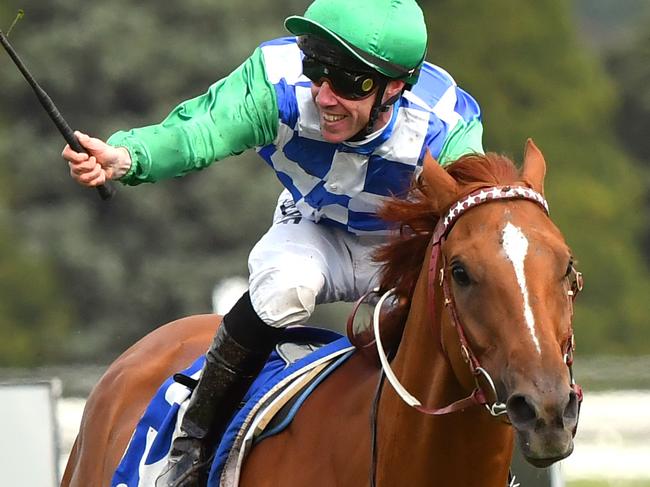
column 346, row 84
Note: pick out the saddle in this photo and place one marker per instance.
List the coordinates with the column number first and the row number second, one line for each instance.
column 303, row 358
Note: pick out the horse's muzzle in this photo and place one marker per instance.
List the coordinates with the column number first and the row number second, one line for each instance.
column 545, row 424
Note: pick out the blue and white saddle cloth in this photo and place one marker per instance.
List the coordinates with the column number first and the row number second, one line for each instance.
column 304, row 357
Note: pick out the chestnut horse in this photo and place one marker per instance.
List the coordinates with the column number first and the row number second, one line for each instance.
column 485, row 284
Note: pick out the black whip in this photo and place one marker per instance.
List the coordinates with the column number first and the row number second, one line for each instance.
column 106, row 190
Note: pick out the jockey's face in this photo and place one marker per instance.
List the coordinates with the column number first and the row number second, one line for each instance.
column 341, row 118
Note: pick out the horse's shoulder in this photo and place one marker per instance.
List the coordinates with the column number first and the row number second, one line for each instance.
column 352, row 384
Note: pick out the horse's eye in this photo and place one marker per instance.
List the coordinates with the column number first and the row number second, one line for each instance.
column 569, row 269
column 460, row 275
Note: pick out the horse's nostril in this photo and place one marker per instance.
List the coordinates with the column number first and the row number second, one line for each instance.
column 521, row 411
column 571, row 409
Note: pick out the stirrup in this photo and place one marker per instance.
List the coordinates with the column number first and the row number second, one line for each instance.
column 185, row 467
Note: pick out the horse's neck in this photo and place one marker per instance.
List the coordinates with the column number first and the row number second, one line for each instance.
column 468, row 448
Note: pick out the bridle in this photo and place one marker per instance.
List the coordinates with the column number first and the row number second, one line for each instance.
column 439, row 276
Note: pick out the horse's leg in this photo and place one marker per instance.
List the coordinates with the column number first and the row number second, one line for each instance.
column 70, row 466
column 120, row 397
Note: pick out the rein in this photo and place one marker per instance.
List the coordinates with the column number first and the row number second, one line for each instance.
column 442, row 229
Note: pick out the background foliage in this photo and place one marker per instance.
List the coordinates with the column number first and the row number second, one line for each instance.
column 83, row 279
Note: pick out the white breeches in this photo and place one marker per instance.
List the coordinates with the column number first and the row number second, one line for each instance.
column 298, row 264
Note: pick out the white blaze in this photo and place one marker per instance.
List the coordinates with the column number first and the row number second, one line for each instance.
column 515, row 246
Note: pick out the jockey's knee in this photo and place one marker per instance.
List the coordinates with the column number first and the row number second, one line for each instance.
column 282, row 298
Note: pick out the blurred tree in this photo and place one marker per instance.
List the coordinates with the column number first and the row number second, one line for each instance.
column 155, row 251
column 606, row 23
column 632, row 76
column 533, row 79
column 34, row 316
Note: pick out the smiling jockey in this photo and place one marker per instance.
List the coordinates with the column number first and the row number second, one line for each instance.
column 343, row 113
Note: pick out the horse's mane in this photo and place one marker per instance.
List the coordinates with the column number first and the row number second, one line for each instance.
column 402, row 257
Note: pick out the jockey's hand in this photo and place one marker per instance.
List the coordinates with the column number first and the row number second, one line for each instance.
column 101, row 163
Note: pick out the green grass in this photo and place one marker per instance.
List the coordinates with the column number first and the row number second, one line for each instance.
column 609, row 483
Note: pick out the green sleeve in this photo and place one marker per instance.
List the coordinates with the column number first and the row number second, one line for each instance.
column 236, row 113
column 465, row 138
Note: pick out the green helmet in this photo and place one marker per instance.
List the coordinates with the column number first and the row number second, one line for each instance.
column 389, row 36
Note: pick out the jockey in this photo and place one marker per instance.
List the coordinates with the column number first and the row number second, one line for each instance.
column 343, row 112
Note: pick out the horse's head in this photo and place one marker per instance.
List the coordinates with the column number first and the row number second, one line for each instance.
column 509, row 279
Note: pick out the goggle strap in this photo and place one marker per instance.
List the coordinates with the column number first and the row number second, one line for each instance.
column 377, row 106
column 390, row 102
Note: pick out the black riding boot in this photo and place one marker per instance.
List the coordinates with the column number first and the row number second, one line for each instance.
column 237, row 354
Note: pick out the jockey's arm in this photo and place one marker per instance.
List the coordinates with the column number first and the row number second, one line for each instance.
column 466, row 136
column 236, row 113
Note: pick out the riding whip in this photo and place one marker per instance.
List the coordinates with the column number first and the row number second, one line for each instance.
column 105, row 190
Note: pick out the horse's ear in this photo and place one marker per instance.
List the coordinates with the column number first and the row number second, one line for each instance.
column 534, row 167
column 440, row 187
